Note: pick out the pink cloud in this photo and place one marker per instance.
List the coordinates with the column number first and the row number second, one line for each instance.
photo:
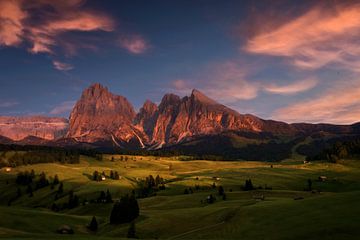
column 230, row 82
column 11, row 17
column 134, row 44
column 321, row 36
column 62, row 66
column 340, row 105
column 17, row 24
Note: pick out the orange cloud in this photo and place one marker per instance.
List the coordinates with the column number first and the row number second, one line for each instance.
column 134, row 44
column 339, row 105
column 11, row 17
column 17, row 24
column 319, row 37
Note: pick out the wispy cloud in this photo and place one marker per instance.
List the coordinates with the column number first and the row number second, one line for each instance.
column 63, row 107
column 20, row 22
column 135, row 44
column 62, row 66
column 47, row 26
column 340, row 104
column 292, row 88
column 230, row 82
column 321, row 36
column 7, row 104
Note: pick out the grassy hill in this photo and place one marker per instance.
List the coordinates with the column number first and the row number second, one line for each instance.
column 331, row 211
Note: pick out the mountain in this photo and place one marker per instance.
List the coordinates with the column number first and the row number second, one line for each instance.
column 194, row 123
column 18, row 128
column 100, row 116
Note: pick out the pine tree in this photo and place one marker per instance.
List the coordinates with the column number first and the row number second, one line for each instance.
column 108, row 197
column 221, row 190
column 93, row 226
column 56, row 180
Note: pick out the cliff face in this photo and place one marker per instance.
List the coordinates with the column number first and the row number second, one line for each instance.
column 18, row 128
column 102, row 116
column 179, row 119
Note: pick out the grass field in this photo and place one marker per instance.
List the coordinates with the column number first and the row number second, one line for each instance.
column 331, row 213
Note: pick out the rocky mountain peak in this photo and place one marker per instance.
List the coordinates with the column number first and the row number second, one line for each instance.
column 99, row 114
column 149, row 106
column 169, row 100
column 201, row 97
column 95, row 90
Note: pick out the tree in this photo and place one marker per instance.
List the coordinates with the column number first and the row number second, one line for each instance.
column 132, row 231
column 93, row 226
column 124, row 211
column 56, row 180
column 61, row 188
column 221, row 190
column 248, row 185
column 309, row 184
column 112, row 176
column 96, row 176
column 73, row 200
column 108, row 197
column 102, row 197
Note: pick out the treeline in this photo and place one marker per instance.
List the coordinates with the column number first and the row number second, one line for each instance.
column 24, row 155
column 339, row 150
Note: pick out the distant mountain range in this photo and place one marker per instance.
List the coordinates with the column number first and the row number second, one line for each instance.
column 103, row 119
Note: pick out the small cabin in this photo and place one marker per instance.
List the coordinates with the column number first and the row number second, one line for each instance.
column 103, row 178
column 306, row 161
column 8, row 169
column 322, row 178
column 65, row 229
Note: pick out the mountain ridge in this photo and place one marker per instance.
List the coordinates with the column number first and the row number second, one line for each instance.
column 100, row 117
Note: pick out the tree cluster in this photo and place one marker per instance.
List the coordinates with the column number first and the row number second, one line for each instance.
column 248, row 185
column 150, row 185
column 125, row 211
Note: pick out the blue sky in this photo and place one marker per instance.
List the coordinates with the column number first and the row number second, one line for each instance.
column 280, row 60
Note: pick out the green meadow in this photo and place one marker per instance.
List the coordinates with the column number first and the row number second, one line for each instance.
column 281, row 207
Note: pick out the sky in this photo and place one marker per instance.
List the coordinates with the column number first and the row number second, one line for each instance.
column 293, row 61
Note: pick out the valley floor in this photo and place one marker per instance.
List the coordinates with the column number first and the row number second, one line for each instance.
column 331, row 211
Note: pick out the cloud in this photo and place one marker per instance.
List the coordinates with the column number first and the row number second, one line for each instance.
column 341, row 105
column 8, row 104
column 40, row 23
column 11, row 28
column 62, row 66
column 63, row 107
column 293, row 88
column 134, row 44
column 322, row 36
column 230, row 82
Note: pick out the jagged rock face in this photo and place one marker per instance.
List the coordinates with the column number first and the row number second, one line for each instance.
column 100, row 115
column 18, row 128
column 197, row 115
column 146, row 119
